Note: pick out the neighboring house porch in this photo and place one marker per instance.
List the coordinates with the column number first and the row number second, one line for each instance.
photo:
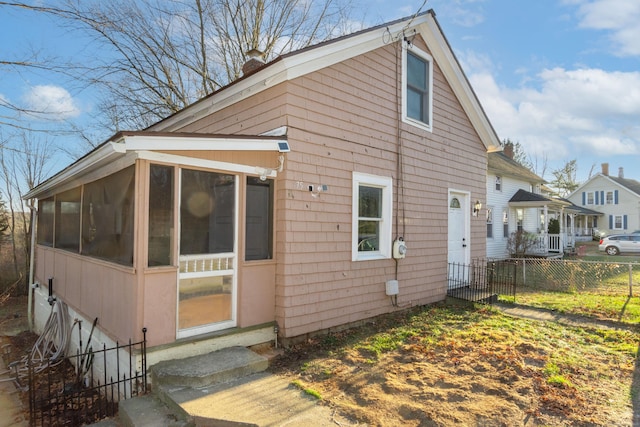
column 533, row 213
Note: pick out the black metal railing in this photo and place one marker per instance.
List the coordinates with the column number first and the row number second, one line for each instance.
column 482, row 280
column 79, row 389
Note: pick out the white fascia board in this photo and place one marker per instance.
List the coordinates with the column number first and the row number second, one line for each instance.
column 104, row 154
column 455, row 76
column 195, row 143
column 288, row 68
column 206, row 164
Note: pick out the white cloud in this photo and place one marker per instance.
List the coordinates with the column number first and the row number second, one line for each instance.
column 51, row 103
column 619, row 17
column 570, row 113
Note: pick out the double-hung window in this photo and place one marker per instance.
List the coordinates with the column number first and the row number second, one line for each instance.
column 590, row 198
column 371, row 229
column 505, row 223
column 417, row 88
column 489, row 222
column 609, row 197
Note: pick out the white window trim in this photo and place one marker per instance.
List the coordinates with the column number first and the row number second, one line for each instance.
column 490, row 221
column 593, row 198
column 615, row 220
column 426, row 57
column 498, row 183
column 385, row 225
column 606, row 198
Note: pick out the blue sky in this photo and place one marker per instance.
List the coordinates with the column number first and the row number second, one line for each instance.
column 560, row 77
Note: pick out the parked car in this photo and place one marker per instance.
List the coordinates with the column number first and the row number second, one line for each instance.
column 620, row 243
column 597, row 235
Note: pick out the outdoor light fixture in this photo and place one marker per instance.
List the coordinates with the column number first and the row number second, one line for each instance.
column 476, row 207
column 265, row 172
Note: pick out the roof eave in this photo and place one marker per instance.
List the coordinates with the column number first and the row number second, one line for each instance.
column 311, row 59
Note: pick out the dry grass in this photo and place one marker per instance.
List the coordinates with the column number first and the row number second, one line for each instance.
column 440, row 366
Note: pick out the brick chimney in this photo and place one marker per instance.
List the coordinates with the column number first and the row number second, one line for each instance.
column 620, row 172
column 508, row 150
column 605, row 169
column 254, row 62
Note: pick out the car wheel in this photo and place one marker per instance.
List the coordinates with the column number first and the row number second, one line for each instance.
column 612, row 250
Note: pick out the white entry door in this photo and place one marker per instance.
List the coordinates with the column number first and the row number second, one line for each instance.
column 458, row 240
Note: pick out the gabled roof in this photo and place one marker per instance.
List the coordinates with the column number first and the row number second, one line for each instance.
column 295, row 64
column 630, row 185
column 501, row 164
column 283, row 68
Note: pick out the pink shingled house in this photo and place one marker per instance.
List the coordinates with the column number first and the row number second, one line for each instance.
column 328, row 186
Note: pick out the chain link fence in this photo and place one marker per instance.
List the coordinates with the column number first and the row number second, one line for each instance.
column 558, row 275
column 598, row 289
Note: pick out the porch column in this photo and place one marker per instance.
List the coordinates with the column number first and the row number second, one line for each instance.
column 563, row 238
column 573, row 226
column 546, row 229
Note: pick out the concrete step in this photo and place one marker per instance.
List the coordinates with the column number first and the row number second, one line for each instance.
column 207, row 369
column 173, row 378
column 149, row 411
column 256, row 400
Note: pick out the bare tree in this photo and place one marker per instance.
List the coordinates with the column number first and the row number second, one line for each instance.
column 159, row 56
column 4, row 216
column 23, row 165
column 534, row 164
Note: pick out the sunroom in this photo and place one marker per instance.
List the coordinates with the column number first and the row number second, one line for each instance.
column 172, row 232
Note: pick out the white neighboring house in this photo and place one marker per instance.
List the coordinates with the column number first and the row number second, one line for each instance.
column 505, row 178
column 617, row 197
column 515, row 201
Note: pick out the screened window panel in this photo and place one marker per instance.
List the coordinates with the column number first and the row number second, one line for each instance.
column 67, row 220
column 161, row 199
column 207, row 209
column 107, row 217
column 259, row 219
column 46, row 209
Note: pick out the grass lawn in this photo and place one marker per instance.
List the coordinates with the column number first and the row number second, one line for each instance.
column 618, row 308
column 466, row 365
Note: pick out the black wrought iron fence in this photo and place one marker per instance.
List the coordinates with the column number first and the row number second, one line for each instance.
column 79, row 390
column 482, row 280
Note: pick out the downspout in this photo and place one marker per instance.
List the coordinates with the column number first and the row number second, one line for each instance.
column 34, row 215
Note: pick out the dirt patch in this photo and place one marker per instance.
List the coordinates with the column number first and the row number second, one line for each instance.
column 13, row 315
column 499, row 382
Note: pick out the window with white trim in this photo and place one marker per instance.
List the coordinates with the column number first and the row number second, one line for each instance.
column 609, row 196
column 372, row 209
column 417, row 87
column 489, row 222
column 498, row 183
column 590, row 198
column 505, row 223
column 520, row 219
column 618, row 222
